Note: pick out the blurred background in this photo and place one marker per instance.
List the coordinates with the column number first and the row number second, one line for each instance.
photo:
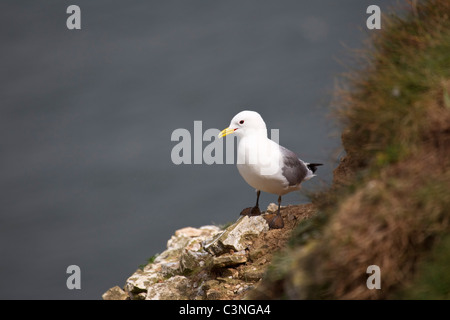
column 86, row 118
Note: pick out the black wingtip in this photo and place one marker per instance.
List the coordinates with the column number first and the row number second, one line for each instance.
column 313, row 166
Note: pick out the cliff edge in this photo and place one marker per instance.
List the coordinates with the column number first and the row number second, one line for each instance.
column 209, row 263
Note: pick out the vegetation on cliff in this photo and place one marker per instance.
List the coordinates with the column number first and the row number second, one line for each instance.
column 390, row 202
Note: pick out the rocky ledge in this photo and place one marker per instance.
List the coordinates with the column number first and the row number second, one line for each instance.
column 212, row 263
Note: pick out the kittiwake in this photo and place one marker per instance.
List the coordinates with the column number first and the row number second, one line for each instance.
column 264, row 164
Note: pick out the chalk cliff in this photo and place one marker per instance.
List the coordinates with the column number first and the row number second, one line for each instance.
column 212, row 263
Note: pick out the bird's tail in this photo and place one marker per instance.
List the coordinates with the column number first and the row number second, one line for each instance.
column 313, row 166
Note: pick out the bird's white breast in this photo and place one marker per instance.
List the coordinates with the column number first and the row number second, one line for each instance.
column 260, row 164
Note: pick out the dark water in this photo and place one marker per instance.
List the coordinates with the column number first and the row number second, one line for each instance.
column 86, row 118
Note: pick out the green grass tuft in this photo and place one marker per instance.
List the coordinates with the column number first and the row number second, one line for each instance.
column 149, row 261
column 433, row 279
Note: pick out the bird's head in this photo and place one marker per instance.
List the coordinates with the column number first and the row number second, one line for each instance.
column 245, row 123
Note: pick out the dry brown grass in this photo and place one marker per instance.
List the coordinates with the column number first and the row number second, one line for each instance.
column 384, row 223
column 393, row 218
column 390, row 200
column 378, row 104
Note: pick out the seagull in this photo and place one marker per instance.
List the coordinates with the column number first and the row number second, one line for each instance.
column 264, row 164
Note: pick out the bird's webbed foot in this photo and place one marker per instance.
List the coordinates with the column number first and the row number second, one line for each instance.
column 251, row 211
column 276, row 222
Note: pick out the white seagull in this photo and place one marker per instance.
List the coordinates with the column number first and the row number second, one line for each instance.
column 264, row 164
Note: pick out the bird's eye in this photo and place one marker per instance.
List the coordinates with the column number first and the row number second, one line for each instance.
column 241, row 122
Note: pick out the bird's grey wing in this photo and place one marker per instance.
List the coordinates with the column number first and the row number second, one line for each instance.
column 293, row 169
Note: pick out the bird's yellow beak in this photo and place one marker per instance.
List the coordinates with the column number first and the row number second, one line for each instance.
column 225, row 132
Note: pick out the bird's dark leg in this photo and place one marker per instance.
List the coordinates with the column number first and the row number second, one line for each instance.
column 277, row 221
column 255, row 210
